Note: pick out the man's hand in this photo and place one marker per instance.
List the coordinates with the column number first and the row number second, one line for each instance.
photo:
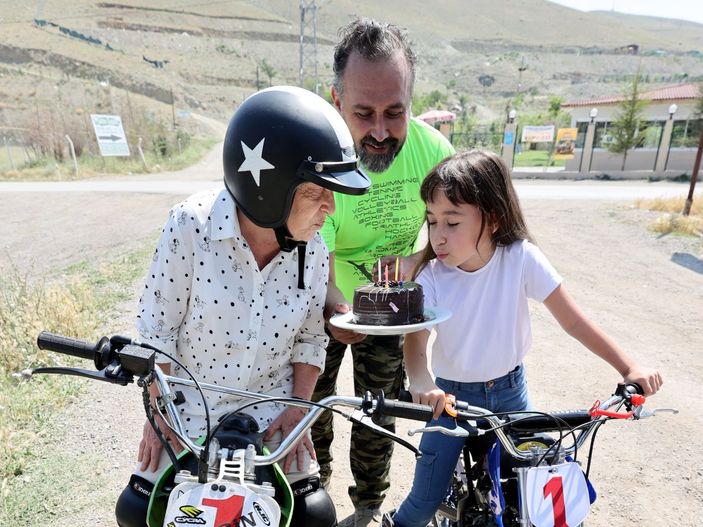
column 284, row 424
column 406, row 266
column 345, row 336
column 150, row 446
column 336, row 303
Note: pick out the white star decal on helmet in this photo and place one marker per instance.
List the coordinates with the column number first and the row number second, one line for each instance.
column 254, row 161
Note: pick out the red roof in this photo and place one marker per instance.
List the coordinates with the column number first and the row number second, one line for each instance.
column 669, row 93
column 433, row 116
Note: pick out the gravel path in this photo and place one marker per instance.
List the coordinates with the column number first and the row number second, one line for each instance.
column 624, row 277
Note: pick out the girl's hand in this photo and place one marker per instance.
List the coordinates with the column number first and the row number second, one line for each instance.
column 426, row 392
column 648, row 378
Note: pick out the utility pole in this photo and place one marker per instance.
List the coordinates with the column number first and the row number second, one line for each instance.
column 308, row 43
column 173, row 109
column 522, row 67
column 694, row 177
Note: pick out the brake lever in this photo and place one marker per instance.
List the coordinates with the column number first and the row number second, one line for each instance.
column 641, row 412
column 113, row 375
column 360, row 417
column 453, row 432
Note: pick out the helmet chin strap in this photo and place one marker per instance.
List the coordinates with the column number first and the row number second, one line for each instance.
column 287, row 244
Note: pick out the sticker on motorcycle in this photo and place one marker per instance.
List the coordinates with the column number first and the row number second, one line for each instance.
column 220, row 505
column 557, row 496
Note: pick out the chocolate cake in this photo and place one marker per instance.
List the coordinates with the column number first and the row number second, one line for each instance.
column 398, row 304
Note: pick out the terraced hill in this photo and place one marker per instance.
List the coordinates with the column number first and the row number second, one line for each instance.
column 183, row 55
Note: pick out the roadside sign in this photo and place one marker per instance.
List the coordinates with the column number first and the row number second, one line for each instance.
column 538, row 134
column 110, row 135
column 565, row 143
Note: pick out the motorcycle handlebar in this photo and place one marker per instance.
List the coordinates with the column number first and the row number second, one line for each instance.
column 74, row 347
column 141, row 362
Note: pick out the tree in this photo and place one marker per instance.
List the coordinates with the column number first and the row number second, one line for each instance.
column 428, row 101
column 629, row 129
column 486, row 80
column 268, row 71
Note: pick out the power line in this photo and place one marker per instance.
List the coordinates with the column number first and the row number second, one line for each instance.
column 308, row 43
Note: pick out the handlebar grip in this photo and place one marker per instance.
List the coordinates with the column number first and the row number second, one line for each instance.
column 406, row 396
column 404, row 410
column 67, row 345
column 634, row 388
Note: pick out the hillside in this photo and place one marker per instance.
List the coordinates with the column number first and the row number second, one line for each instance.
column 177, row 56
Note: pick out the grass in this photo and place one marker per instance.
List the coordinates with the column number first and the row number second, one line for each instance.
column 78, row 304
column 11, row 156
column 91, row 166
column 36, row 499
column 536, row 158
column 672, row 221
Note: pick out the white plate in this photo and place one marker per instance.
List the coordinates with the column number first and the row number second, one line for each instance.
column 433, row 315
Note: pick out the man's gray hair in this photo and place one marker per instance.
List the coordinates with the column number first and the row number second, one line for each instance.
column 373, row 41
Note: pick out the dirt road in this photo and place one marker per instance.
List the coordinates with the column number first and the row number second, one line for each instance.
column 646, row 291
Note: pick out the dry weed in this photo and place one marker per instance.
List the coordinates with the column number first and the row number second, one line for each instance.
column 672, row 221
column 27, row 307
column 671, row 204
column 676, row 223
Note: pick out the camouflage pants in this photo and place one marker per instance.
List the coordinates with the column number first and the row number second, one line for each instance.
column 378, row 365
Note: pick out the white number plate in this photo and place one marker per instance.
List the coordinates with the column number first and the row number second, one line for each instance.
column 222, row 504
column 557, row 496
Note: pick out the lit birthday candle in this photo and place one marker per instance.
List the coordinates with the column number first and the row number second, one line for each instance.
column 386, row 275
column 396, row 268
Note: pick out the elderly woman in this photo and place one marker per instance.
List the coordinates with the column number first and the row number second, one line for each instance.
column 237, row 286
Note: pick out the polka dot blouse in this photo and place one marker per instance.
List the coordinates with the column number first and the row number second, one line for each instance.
column 206, row 302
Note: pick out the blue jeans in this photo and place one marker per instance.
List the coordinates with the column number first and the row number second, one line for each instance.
column 440, row 453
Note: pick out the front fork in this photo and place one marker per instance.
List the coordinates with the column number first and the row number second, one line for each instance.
column 524, row 518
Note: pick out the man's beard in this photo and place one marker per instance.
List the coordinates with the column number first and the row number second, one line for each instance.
column 378, row 162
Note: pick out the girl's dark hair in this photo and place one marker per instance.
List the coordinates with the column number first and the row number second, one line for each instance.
column 480, row 178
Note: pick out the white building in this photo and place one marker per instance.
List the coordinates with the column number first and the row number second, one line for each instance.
column 682, row 99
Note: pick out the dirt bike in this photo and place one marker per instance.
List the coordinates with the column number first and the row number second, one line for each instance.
column 521, row 475
column 227, row 478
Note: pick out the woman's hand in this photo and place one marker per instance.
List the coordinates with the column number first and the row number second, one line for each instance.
column 150, row 446
column 284, row 424
column 648, row 378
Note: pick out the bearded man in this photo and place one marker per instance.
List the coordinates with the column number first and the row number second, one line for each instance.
column 374, row 69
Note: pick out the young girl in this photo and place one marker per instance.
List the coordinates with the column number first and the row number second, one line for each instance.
column 482, row 265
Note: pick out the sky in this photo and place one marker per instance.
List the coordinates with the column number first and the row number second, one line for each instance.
column 682, row 9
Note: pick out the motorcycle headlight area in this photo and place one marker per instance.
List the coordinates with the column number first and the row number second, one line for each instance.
column 222, row 503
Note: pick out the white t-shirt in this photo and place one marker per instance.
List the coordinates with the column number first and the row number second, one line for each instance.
column 206, row 302
column 489, row 332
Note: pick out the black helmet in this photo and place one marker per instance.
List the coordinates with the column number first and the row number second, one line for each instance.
column 279, row 138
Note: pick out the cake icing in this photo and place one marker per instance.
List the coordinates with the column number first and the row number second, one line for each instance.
column 394, row 304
